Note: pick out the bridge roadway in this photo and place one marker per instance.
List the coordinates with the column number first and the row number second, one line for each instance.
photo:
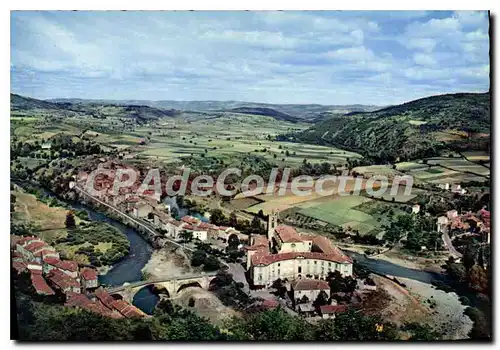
column 112, row 290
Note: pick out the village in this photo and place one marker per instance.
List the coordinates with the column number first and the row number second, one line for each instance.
column 52, row 276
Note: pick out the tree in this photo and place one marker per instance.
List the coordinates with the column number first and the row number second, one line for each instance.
column 478, row 280
column 271, row 325
column 420, row 331
column 233, row 220
column 217, row 217
column 321, row 299
column 256, row 226
column 70, row 220
column 198, row 258
column 174, row 212
column 186, row 236
column 353, row 325
column 211, row 264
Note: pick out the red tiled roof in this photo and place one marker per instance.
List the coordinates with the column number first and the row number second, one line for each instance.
column 40, row 285
column 310, row 284
column 88, row 274
column 67, row 265
column 32, row 247
column 331, row 309
column 104, row 297
column 51, row 261
column 19, row 266
column 260, row 259
column 207, row 225
column 80, row 300
column 77, row 299
column 24, row 240
column 126, row 309
column 62, row 280
column 44, row 252
column 287, row 234
column 270, row 304
column 327, row 247
column 190, row 219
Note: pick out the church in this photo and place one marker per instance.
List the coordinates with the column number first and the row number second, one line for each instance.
column 285, row 253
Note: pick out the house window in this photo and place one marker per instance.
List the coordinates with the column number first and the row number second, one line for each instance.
column 279, row 264
column 300, row 269
column 315, row 262
column 293, row 245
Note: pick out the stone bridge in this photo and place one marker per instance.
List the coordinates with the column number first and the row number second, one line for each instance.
column 172, row 285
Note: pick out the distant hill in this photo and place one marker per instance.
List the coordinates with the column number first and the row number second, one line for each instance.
column 305, row 112
column 266, row 112
column 94, row 109
column 409, row 131
column 18, row 102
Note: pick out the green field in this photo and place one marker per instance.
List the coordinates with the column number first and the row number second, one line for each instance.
column 228, row 138
column 341, row 211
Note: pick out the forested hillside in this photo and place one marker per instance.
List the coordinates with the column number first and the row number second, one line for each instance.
column 416, row 129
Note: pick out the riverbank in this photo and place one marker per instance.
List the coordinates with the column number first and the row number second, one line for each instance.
column 167, row 262
column 398, row 258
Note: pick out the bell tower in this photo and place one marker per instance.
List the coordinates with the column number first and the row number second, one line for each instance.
column 272, row 222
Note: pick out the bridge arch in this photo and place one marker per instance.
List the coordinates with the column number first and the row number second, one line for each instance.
column 189, row 284
column 117, row 296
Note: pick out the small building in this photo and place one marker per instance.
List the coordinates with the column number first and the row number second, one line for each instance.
column 34, row 268
column 329, row 311
column 89, row 278
column 309, row 288
column 63, row 282
column 445, row 186
column 415, row 209
column 442, row 224
column 458, row 189
column 142, row 210
column 306, row 309
column 451, row 214
column 69, row 267
column 200, row 234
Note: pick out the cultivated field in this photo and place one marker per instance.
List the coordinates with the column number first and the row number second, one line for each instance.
column 341, row 211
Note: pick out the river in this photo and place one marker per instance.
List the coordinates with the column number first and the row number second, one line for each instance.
column 389, row 268
column 129, row 268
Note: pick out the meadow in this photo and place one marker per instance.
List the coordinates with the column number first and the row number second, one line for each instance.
column 341, row 211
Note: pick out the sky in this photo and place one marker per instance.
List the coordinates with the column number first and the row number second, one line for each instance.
column 324, row 57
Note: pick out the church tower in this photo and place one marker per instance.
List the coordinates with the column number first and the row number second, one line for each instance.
column 272, row 222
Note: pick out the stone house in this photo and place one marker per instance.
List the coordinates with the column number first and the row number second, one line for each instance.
column 89, row 278
column 309, row 288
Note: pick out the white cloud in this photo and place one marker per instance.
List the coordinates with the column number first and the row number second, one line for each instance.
column 425, row 44
column 359, row 53
column 423, row 59
column 265, row 56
